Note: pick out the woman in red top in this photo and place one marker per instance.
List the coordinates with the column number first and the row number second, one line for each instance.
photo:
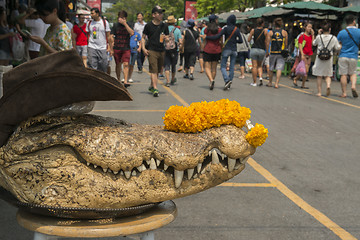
column 212, row 49
column 80, row 38
column 305, row 52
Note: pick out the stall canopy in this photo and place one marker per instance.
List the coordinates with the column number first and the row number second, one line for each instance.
column 353, row 9
column 311, row 7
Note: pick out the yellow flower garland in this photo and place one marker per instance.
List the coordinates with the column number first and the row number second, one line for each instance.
column 204, row 115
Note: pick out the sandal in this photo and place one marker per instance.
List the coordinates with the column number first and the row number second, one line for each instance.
column 212, row 85
column 304, row 87
column 269, row 85
column 342, row 96
column 328, row 92
column 354, row 93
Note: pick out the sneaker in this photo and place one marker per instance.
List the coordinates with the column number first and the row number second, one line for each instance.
column 261, row 83
column 191, row 76
column 227, row 85
column 173, row 81
column 126, row 85
column 253, row 84
column 122, row 80
column 155, row 93
column 151, row 89
column 161, row 76
column 130, row 80
column 167, row 84
column 186, row 76
column 140, row 71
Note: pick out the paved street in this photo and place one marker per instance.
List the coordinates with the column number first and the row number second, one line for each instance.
column 303, row 183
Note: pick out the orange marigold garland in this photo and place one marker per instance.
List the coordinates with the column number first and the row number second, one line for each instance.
column 204, row 115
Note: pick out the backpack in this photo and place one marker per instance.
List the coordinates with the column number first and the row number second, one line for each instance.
column 171, row 44
column 325, row 53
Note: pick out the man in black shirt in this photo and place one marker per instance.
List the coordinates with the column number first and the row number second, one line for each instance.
column 156, row 32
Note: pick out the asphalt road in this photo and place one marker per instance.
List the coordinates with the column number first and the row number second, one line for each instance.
column 303, row 183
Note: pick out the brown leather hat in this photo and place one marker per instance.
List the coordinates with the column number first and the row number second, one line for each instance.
column 50, row 82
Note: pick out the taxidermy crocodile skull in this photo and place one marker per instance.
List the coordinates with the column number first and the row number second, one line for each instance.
column 91, row 161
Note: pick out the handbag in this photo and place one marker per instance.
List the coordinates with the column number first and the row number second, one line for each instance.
column 301, row 69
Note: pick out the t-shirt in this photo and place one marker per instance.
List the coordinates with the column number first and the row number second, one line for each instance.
column 81, row 35
column 59, row 38
column 307, row 49
column 97, row 34
column 139, row 28
column 37, row 28
column 190, row 41
column 122, row 37
column 349, row 48
column 134, row 42
column 153, row 32
column 212, row 46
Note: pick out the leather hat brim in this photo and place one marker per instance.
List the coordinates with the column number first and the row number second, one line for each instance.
column 44, row 92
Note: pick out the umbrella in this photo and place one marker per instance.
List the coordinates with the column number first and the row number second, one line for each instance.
column 354, row 9
column 307, row 7
column 278, row 12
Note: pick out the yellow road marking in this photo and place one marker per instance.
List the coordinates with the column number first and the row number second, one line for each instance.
column 327, row 222
column 128, row 110
column 231, row 184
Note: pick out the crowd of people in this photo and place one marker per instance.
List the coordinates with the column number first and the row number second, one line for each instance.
column 162, row 43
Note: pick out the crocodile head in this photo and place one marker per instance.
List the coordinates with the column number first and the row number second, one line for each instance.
column 95, row 162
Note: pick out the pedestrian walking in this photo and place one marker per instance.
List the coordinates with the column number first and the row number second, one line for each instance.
column 135, row 49
column 232, row 37
column 243, row 50
column 350, row 40
column 181, row 50
column 139, row 28
column 80, row 38
column 305, row 52
column 58, row 35
column 122, row 33
column 257, row 52
column 156, row 32
column 202, row 27
column 99, row 41
column 172, row 51
column 191, row 40
column 323, row 68
column 212, row 49
column 279, row 40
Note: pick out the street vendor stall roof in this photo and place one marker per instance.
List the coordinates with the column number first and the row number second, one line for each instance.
column 307, row 7
column 353, row 9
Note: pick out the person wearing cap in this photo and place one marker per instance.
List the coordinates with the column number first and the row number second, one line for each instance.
column 191, row 38
column 156, row 32
column 139, row 28
column 172, row 52
column 232, row 37
column 212, row 49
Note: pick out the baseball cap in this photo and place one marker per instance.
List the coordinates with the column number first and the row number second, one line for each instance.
column 190, row 23
column 157, row 9
column 213, row 17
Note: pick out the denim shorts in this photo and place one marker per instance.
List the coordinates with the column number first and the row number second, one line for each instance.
column 133, row 57
column 257, row 54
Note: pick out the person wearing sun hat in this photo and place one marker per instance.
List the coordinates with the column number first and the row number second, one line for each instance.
column 172, row 51
column 156, row 32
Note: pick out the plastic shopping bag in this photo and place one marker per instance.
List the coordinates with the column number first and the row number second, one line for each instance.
column 301, row 69
column 17, row 47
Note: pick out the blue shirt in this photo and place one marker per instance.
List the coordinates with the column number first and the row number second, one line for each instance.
column 349, row 49
column 134, row 42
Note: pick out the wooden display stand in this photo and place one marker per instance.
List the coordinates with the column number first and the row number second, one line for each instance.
column 143, row 224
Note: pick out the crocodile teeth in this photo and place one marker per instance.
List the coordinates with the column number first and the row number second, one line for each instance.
column 133, row 173
column 95, row 166
column 122, row 173
column 165, row 166
column 190, row 173
column 116, row 172
column 152, row 164
column 231, row 164
column 148, row 162
column 158, row 162
column 127, row 174
column 87, row 163
column 215, row 157
column 199, row 167
column 178, row 177
column 105, row 170
column 244, row 160
column 141, row 168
